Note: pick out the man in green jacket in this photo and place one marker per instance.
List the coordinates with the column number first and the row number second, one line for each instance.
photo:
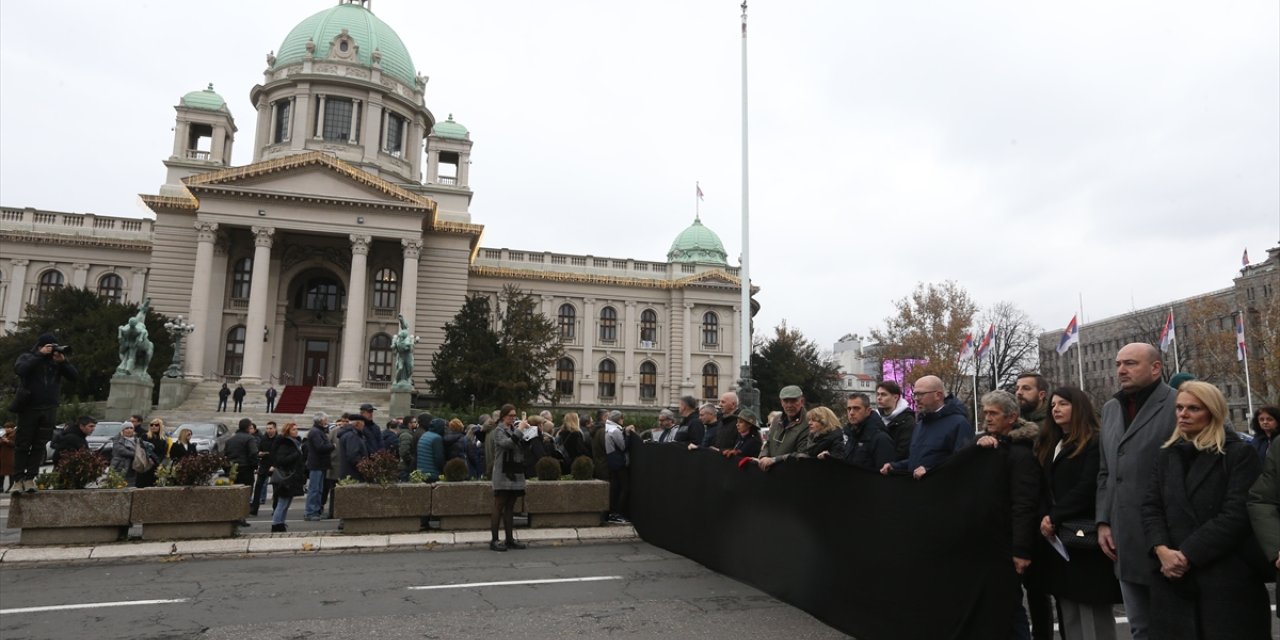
column 789, row 432
column 1264, row 509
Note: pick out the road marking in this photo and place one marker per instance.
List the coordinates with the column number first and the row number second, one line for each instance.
column 516, row 582
column 90, row 605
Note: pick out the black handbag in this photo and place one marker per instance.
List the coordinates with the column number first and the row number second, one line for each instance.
column 1078, row 534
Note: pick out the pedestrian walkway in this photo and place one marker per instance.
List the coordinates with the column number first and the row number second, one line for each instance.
column 306, row 543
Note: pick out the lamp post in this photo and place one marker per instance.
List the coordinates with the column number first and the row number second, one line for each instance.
column 179, row 329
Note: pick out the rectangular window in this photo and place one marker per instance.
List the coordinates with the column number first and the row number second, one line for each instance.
column 337, row 119
column 394, row 141
column 283, row 109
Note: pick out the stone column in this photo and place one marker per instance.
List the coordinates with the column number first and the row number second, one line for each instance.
column 17, row 288
column 353, row 331
column 207, row 233
column 79, row 274
column 180, row 141
column 255, row 326
column 691, row 334
column 298, row 123
column 588, row 336
column 320, row 119
column 409, row 281
column 737, row 326
column 629, row 338
column 139, row 283
column 375, row 118
column 355, row 120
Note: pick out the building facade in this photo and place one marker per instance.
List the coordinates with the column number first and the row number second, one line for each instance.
column 355, row 211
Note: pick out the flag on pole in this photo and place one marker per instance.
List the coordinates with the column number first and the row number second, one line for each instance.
column 699, row 188
column 966, row 347
column 1244, row 261
column 1167, row 333
column 986, row 342
column 1070, row 336
column 1240, row 346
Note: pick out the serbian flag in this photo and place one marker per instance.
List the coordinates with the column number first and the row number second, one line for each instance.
column 1240, row 347
column 699, row 188
column 966, row 347
column 1244, row 261
column 1069, row 337
column 1167, row 333
column 985, row 345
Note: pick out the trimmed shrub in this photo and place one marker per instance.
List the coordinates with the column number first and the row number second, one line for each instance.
column 77, row 469
column 380, row 468
column 196, row 471
column 583, row 468
column 547, row 468
column 455, row 470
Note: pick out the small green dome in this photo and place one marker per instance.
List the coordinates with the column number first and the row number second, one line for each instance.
column 449, row 129
column 207, row 100
column 698, row 244
column 366, row 30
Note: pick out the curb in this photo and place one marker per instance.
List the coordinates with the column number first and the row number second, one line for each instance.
column 305, row 544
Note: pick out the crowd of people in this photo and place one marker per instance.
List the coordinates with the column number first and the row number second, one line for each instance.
column 1154, row 501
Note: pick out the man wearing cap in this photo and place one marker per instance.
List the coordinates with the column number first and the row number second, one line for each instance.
column 40, row 373
column 789, row 432
column 372, row 434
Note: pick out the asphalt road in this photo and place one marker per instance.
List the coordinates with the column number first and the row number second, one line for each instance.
column 635, row 590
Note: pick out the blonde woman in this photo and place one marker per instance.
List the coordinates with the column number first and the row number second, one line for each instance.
column 1197, row 525
column 572, row 440
column 183, row 446
column 824, row 437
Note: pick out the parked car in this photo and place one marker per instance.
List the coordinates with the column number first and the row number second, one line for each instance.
column 100, row 440
column 205, row 435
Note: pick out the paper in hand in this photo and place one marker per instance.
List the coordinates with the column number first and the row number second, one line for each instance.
column 1059, row 547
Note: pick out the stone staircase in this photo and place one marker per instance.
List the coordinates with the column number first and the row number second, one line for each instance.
column 202, row 404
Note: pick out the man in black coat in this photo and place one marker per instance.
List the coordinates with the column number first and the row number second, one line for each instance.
column 319, row 459
column 242, row 451
column 727, row 434
column 899, row 420
column 866, row 445
column 266, row 447
column 354, row 448
column 690, row 429
column 1000, row 414
column 40, row 374
column 710, row 419
column 372, row 432
column 238, row 395
column 74, row 437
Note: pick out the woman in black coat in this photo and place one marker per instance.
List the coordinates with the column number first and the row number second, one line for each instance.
column 1086, row 587
column 182, row 447
column 1195, row 519
column 290, row 474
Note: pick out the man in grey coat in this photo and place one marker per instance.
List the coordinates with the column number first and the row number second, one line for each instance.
column 1135, row 423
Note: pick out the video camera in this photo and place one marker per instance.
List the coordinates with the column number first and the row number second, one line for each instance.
column 64, row 349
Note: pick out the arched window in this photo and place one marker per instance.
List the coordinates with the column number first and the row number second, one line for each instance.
column 385, row 289
column 648, row 380
column 710, row 381
column 567, row 321
column 608, row 325
column 241, row 278
column 111, row 288
column 564, row 377
column 608, row 378
column 233, row 360
column 648, row 328
column 380, row 358
column 50, row 281
column 319, row 294
column 710, row 329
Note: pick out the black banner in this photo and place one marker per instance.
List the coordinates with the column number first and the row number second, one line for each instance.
column 878, row 558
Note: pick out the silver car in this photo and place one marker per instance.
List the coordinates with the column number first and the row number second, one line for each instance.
column 205, row 435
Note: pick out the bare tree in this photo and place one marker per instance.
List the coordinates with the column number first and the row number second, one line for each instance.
column 928, row 326
column 1014, row 347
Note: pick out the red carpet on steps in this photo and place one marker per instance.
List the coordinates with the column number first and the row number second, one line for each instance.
column 294, row 398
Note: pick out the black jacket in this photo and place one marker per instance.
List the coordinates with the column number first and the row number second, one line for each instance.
column 242, row 449
column 865, row 445
column 178, row 451
column 42, row 378
column 239, row 394
column 575, row 446
column 900, row 429
column 289, row 462
column 727, row 434
column 354, row 448
column 747, row 446
column 1195, row 503
column 1024, row 492
column 267, row 444
column 691, row 430
column 70, row 439
column 319, row 449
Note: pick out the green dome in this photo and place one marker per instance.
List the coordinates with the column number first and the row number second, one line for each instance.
column 698, row 244
column 366, row 30
column 207, row 100
column 449, row 129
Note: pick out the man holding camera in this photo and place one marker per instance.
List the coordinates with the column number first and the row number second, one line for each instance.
column 40, row 373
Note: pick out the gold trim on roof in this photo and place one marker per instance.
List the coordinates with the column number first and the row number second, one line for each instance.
column 309, row 158
column 188, row 203
column 28, row 237
column 465, row 228
column 717, row 276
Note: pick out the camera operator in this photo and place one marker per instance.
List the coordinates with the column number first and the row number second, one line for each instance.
column 40, row 373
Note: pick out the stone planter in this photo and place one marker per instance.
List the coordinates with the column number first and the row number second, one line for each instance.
column 72, row 516
column 372, row 508
column 170, row 513
column 566, row 503
column 465, row 505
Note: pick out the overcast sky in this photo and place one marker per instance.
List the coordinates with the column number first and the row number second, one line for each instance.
column 1128, row 152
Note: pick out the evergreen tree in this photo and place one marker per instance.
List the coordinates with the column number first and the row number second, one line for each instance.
column 465, row 365
column 789, row 358
column 87, row 322
column 530, row 345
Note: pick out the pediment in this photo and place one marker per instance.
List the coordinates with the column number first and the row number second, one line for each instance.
column 309, row 176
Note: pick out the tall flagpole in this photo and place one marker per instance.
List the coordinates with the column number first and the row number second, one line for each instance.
column 1244, row 351
column 747, row 394
column 1173, row 328
column 1080, row 344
